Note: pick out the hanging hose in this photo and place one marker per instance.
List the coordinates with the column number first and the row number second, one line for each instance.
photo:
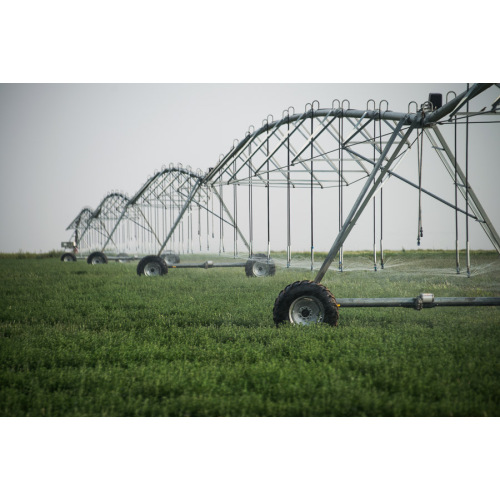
column 312, row 188
column 221, row 230
column 208, row 221
column 250, row 201
column 341, row 187
column 220, row 217
column 213, row 234
column 191, row 219
column 288, row 225
column 381, row 201
column 268, row 197
column 457, row 250
column 467, row 246
column 235, row 206
column 374, row 199
column 199, row 226
column 420, row 148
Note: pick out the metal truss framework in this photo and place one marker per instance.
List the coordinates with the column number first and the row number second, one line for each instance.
column 166, row 209
column 327, row 148
column 331, row 149
column 338, row 147
column 92, row 228
column 79, row 225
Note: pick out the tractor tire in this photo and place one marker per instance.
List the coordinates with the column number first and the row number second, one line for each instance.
column 97, row 258
column 152, row 265
column 306, row 303
column 259, row 267
column 68, row 257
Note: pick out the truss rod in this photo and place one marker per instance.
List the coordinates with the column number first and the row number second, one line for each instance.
column 451, row 205
column 473, row 200
column 233, row 222
column 363, row 198
column 196, row 186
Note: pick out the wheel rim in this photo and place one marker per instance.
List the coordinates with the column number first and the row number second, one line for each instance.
column 67, row 258
column 152, row 269
column 259, row 269
column 306, row 310
column 97, row 260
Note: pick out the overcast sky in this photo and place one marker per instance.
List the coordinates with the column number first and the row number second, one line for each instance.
column 64, row 146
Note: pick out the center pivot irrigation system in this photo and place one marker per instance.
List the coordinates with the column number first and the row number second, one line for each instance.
column 319, row 149
column 165, row 210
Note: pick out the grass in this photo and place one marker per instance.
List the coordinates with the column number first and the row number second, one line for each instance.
column 80, row 340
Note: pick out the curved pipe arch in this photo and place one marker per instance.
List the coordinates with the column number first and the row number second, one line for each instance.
column 414, row 120
column 162, row 173
column 83, row 217
column 109, row 201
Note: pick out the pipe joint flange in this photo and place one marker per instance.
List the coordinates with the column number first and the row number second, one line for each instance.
column 418, row 304
column 424, row 300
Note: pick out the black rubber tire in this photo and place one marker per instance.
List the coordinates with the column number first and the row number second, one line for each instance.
column 259, row 267
column 68, row 257
column 171, row 258
column 309, row 291
column 97, row 258
column 152, row 265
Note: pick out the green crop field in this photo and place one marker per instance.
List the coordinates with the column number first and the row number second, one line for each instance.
column 80, row 340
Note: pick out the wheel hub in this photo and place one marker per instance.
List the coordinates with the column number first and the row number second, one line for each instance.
column 152, row 269
column 306, row 311
column 259, row 269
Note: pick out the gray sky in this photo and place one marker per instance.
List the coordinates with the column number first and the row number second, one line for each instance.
column 64, row 146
